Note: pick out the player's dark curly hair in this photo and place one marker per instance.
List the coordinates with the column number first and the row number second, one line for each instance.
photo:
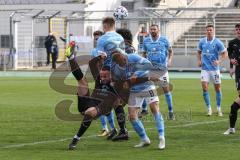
column 97, row 33
column 237, row 25
column 105, row 68
column 126, row 34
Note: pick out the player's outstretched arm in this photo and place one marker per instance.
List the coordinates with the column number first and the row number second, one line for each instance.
column 95, row 65
column 199, row 60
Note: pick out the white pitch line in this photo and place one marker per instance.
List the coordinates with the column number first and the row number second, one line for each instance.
column 65, row 139
column 43, row 142
column 197, row 123
column 35, row 143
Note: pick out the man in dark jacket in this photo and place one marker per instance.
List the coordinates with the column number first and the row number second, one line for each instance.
column 51, row 48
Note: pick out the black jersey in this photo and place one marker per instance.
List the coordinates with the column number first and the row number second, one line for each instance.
column 234, row 51
column 105, row 87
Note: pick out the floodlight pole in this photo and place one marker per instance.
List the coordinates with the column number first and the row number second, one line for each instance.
column 11, row 37
column 15, row 56
column 11, row 34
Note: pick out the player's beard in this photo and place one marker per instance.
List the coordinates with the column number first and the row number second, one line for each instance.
column 154, row 35
column 106, row 82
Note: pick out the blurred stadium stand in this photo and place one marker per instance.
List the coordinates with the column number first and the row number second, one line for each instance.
column 184, row 26
column 224, row 23
column 14, row 2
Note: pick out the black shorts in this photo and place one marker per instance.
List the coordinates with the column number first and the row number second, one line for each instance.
column 237, row 80
column 85, row 102
column 103, row 101
column 108, row 101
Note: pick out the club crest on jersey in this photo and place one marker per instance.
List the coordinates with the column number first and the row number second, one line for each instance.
column 105, row 88
column 154, row 49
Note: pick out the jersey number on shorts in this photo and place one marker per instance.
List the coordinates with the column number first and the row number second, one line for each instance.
column 151, row 93
column 216, row 77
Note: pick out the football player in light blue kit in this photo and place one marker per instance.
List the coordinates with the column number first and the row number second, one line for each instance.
column 110, row 117
column 211, row 52
column 109, row 41
column 134, row 66
column 158, row 51
column 105, row 45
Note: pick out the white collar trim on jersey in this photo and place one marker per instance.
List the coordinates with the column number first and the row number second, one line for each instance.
column 156, row 40
column 211, row 40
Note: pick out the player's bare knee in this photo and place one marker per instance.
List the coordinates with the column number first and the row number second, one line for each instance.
column 238, row 100
column 217, row 87
column 92, row 112
column 154, row 106
column 133, row 115
column 204, row 86
column 239, row 94
column 205, row 89
column 88, row 113
column 165, row 89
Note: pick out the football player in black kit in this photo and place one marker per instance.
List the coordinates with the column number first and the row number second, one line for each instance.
column 101, row 101
column 104, row 97
column 234, row 56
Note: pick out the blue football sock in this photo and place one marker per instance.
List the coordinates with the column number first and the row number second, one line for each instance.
column 103, row 122
column 159, row 123
column 206, row 99
column 110, row 118
column 144, row 105
column 168, row 98
column 139, row 128
column 219, row 99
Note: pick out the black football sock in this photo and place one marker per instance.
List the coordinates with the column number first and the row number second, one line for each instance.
column 121, row 119
column 76, row 71
column 84, row 125
column 233, row 114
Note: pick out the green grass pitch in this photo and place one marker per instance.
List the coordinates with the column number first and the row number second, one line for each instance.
column 29, row 128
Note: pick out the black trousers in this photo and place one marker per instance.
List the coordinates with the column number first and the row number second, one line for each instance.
column 54, row 60
column 48, row 56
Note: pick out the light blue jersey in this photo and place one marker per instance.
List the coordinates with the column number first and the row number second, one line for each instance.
column 210, row 53
column 137, row 66
column 94, row 53
column 108, row 43
column 157, row 51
